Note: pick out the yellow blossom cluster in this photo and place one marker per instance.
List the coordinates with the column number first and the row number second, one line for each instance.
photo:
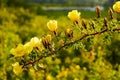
column 25, row 49
column 73, row 69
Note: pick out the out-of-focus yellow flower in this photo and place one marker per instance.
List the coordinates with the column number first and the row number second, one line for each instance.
column 17, row 68
column 49, row 77
column 76, row 78
column 57, row 61
column 63, row 73
column 84, row 68
column 116, row 7
column 74, row 15
column 67, row 60
column 32, row 72
column 77, row 67
column 18, row 51
column 52, row 25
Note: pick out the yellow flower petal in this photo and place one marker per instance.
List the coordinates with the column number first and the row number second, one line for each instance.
column 28, row 47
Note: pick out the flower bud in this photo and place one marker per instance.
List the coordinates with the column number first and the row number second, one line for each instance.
column 93, row 24
column 69, row 32
column 62, row 42
column 98, row 11
column 105, row 22
column 46, row 41
column 84, row 24
column 48, row 38
column 110, row 13
column 116, row 7
column 74, row 15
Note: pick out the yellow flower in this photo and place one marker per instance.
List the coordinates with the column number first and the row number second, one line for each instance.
column 18, row 51
column 28, row 47
column 74, row 15
column 17, row 68
column 35, row 42
column 52, row 25
column 116, row 7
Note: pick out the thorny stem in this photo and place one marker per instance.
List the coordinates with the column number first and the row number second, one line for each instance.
column 86, row 35
column 33, row 62
column 83, row 37
column 41, row 57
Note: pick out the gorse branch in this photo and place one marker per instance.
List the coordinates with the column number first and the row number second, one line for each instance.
column 71, row 43
column 86, row 35
column 36, row 61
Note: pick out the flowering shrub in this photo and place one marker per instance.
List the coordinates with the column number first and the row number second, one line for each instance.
column 83, row 49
